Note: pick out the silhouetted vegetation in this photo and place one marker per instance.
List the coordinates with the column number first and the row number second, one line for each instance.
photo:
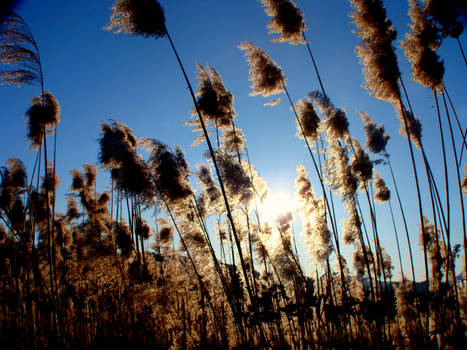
column 211, row 272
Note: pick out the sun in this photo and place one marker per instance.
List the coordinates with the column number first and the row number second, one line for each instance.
column 276, row 203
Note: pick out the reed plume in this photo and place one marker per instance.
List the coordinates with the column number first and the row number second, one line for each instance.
column 309, row 120
column 350, row 225
column 12, row 186
column 376, row 136
column 338, row 172
column 123, row 239
column 116, row 143
column 274, row 102
column 336, row 124
column 72, row 209
column 118, row 153
column 165, row 234
column 129, row 17
column 211, row 193
column 429, row 238
column 138, row 18
column 19, row 51
column 361, row 164
column 50, row 181
column 287, row 21
column 6, row 7
column 316, row 233
column 266, row 76
column 376, row 50
column 450, row 15
column 414, row 126
column 42, row 118
column 214, row 100
column 233, row 141
column 359, row 263
column 15, row 175
column 419, row 48
column 237, row 182
column 383, row 194
column 169, row 170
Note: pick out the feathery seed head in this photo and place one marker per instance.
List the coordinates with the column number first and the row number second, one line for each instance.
column 359, row 261
column 335, row 119
column 266, row 76
column 210, row 188
column 284, row 222
column 103, row 199
column 382, row 191
column 427, row 236
column 350, row 225
column 134, row 176
column 77, row 180
column 274, row 102
column 72, row 209
column 376, row 51
column 12, row 183
column 123, row 238
column 169, row 170
column 309, row 120
column 214, row 101
column 361, row 164
column 90, row 174
column 18, row 50
column 233, row 141
column 376, row 136
column 450, row 15
column 138, row 18
column 304, row 189
column 336, row 124
column 315, row 229
column 42, row 118
column 338, row 173
column 237, row 182
column 52, row 181
column 165, row 235
column 414, row 125
column 419, row 46
column 142, row 228
column 62, row 233
column 15, row 175
column 118, row 152
column 287, row 21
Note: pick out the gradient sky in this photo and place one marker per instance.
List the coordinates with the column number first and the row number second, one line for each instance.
column 97, row 75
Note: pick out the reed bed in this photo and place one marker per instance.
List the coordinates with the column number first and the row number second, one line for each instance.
column 208, row 269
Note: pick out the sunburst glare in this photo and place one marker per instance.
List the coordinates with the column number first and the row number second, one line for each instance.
column 277, row 203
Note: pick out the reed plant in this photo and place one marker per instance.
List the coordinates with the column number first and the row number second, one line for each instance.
column 210, row 269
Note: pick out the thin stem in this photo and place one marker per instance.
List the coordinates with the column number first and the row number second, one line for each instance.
column 314, row 65
column 462, row 50
column 336, row 239
column 419, row 198
column 463, row 133
column 397, row 240
column 219, row 177
column 459, row 184
column 403, row 217
column 446, row 177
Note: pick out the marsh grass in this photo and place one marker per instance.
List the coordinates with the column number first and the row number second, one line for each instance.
column 218, row 274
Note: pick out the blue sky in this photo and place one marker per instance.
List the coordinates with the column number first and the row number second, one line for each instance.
column 97, row 75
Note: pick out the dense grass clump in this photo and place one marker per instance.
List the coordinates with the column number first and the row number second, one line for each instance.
column 210, row 269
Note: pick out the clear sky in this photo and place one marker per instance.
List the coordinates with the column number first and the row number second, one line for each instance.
column 97, row 75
